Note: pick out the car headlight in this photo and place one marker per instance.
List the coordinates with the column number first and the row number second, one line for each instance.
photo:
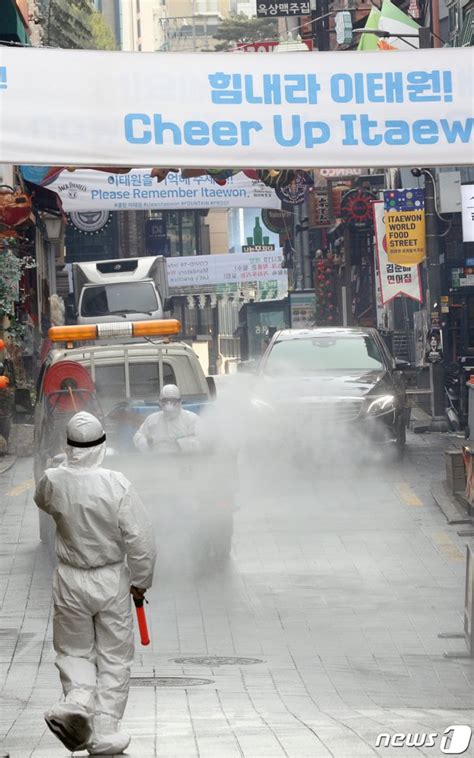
column 380, row 405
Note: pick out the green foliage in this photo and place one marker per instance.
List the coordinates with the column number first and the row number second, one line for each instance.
column 76, row 24
column 11, row 270
column 102, row 35
column 238, row 30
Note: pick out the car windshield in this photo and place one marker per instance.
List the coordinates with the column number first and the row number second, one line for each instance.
column 126, row 297
column 323, row 353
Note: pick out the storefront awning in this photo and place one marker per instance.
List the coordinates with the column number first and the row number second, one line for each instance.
column 12, row 28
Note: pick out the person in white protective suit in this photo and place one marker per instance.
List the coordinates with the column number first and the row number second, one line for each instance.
column 170, row 430
column 106, row 552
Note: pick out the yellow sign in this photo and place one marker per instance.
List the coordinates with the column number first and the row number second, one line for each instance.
column 405, row 237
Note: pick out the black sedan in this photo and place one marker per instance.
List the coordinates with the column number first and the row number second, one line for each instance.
column 333, row 381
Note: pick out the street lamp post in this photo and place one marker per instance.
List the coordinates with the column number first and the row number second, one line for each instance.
column 433, row 269
column 303, row 264
column 54, row 231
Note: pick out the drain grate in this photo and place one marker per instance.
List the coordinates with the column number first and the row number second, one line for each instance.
column 167, row 681
column 214, row 661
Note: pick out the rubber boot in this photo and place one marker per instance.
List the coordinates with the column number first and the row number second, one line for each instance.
column 71, row 723
column 106, row 738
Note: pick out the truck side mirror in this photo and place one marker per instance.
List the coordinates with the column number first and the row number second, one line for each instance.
column 23, row 401
column 168, row 304
column 212, row 387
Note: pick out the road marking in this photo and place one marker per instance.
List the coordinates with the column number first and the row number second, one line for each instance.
column 447, row 547
column 408, row 496
column 20, row 488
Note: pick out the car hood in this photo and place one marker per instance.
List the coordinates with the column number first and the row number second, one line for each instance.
column 323, row 386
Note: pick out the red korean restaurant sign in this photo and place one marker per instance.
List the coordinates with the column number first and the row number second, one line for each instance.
column 266, row 46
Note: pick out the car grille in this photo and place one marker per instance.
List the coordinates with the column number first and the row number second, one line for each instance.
column 341, row 410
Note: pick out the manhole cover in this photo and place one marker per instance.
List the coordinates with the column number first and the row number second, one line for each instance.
column 213, row 661
column 167, row 681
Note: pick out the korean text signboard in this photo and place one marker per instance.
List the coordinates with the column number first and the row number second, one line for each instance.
column 266, row 46
column 333, row 109
column 208, row 274
column 269, row 8
column 138, row 190
column 405, row 226
column 394, row 279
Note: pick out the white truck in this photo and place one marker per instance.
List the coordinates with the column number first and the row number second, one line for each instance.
column 135, row 289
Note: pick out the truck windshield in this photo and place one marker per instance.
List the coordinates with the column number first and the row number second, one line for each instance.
column 122, row 297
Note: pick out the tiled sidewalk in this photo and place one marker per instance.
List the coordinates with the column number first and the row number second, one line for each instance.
column 339, row 588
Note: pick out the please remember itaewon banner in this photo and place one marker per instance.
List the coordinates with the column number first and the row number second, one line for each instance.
column 334, row 109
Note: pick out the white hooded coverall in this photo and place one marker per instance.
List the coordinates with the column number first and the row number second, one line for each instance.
column 100, row 522
column 169, row 433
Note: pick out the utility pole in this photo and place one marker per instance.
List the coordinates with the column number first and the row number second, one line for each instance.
column 433, row 269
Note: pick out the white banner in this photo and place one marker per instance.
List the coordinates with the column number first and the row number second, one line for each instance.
column 335, row 109
column 394, row 279
column 467, row 199
column 138, row 190
column 250, row 273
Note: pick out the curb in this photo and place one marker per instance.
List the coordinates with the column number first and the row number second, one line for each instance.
column 6, row 462
column 450, row 505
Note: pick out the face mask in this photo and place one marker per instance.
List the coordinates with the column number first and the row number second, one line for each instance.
column 170, row 409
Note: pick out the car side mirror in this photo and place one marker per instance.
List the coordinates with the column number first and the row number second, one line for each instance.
column 401, row 365
column 212, row 387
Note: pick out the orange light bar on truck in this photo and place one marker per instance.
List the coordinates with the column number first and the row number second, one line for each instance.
column 85, row 332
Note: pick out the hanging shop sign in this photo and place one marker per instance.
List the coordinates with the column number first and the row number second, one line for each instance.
column 467, row 199
column 138, row 190
column 91, row 222
column 294, row 193
column 266, row 46
column 356, row 208
column 231, row 274
column 239, row 111
column 258, row 248
column 323, row 175
column 272, row 9
column 278, row 222
column 394, row 279
column 405, row 226
column 318, row 207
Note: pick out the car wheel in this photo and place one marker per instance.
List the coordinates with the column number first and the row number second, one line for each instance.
column 400, row 443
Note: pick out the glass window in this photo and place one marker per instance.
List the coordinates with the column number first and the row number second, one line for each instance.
column 323, row 353
column 144, row 382
column 132, row 297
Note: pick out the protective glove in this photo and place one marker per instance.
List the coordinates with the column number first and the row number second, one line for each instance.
column 138, row 593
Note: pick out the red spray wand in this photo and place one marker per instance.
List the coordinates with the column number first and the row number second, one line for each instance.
column 141, row 619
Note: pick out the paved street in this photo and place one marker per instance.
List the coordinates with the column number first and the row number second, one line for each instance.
column 337, row 588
